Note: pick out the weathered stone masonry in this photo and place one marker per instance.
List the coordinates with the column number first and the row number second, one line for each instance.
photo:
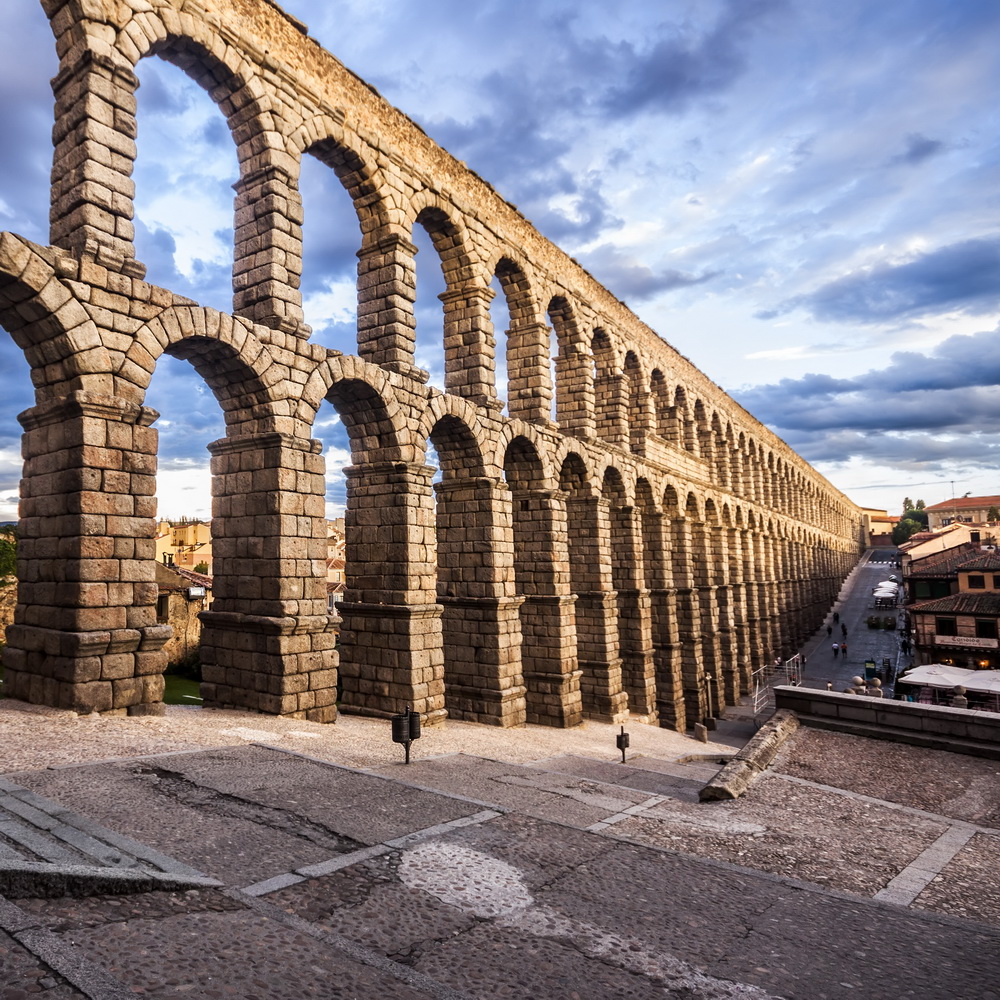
column 597, row 564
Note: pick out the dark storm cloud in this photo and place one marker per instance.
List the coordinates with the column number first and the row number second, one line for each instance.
column 633, row 280
column 961, row 276
column 926, row 407
column 918, row 149
column 681, row 67
column 27, row 61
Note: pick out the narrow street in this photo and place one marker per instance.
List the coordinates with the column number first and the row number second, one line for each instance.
column 854, row 605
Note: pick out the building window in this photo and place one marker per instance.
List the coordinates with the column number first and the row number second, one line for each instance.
column 163, row 608
column 996, row 582
column 974, row 537
column 921, row 590
column 946, row 626
column 977, row 582
column 986, row 628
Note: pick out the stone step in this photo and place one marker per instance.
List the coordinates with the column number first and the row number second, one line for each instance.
column 47, row 850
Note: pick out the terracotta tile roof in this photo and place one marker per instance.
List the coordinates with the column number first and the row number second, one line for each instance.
column 965, row 503
column 939, row 564
column 986, row 560
column 960, row 604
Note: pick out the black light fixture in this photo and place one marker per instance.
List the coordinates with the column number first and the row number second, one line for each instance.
column 621, row 741
column 406, row 729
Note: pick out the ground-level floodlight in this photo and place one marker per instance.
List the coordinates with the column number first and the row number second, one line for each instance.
column 621, row 741
column 406, row 729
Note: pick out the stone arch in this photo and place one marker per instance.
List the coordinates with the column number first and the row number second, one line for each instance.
column 529, row 388
column 549, row 653
column 610, row 397
column 640, row 420
column 469, row 345
column 47, row 322
column 574, row 371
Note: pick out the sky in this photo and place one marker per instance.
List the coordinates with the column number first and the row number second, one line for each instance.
column 800, row 196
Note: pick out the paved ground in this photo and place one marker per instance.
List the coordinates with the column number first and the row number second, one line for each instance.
column 527, row 863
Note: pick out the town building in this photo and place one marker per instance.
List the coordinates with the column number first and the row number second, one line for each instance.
column 185, row 544
column 968, row 510
column 961, row 629
column 879, row 525
column 181, row 596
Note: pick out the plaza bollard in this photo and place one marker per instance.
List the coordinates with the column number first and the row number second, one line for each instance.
column 621, row 741
column 406, row 729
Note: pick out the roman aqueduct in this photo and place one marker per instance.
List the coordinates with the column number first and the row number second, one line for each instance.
column 624, row 531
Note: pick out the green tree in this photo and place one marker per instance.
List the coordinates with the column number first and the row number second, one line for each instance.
column 202, row 567
column 920, row 505
column 8, row 552
column 993, row 514
column 904, row 530
column 907, row 504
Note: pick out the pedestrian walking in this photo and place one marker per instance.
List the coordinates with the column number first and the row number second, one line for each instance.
column 836, row 649
column 843, row 629
column 843, row 649
column 836, row 617
column 829, row 630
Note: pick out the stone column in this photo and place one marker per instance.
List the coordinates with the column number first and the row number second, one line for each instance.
column 528, row 374
column 469, row 345
column 267, row 265
column 548, row 626
column 635, row 633
column 391, row 652
column 589, row 528
column 268, row 639
column 387, row 290
column 611, row 407
column 726, row 667
column 85, row 635
column 641, row 420
column 663, row 622
column 481, row 620
column 94, row 139
column 575, row 391
column 689, row 623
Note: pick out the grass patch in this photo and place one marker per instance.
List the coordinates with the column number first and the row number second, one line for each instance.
column 181, row 691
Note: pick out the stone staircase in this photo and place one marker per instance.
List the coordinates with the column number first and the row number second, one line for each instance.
column 46, row 850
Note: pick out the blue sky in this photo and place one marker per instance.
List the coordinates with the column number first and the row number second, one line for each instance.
column 803, row 197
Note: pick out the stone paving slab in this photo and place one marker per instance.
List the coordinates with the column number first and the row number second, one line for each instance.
column 245, row 814
column 677, row 782
column 965, row 788
column 589, row 917
column 207, row 944
column 801, row 832
column 23, row 974
column 969, row 885
column 563, row 798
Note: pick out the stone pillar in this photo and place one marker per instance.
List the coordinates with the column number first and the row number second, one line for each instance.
column 94, row 139
column 726, row 670
column 268, row 639
column 575, row 391
column 267, row 266
column 611, row 406
column 588, row 525
column 689, row 623
column 548, row 625
column 641, row 420
column 391, row 653
column 387, row 290
column 85, row 635
column 663, row 622
column 528, row 374
column 481, row 620
column 635, row 632
column 469, row 345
